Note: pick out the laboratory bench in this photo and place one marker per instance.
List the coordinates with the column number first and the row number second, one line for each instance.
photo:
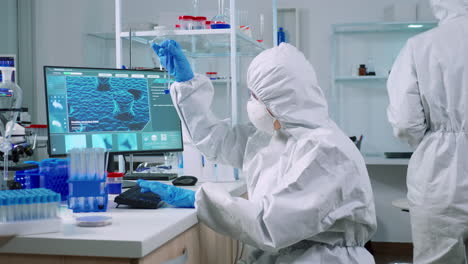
column 135, row 236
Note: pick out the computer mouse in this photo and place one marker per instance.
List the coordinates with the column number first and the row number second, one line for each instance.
column 185, row 181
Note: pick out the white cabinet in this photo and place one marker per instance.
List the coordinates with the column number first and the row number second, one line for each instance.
column 359, row 103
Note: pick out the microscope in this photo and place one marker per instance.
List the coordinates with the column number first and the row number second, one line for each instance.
column 14, row 145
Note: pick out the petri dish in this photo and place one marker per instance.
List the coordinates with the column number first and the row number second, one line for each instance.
column 93, row 221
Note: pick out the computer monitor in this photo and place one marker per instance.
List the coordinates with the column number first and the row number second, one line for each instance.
column 124, row 111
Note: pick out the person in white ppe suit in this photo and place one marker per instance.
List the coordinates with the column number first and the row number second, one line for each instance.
column 428, row 89
column 310, row 198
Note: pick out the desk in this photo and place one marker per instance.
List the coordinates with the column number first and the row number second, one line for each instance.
column 135, row 236
column 402, row 204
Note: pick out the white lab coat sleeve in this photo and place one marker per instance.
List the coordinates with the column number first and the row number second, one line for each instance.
column 319, row 189
column 216, row 139
column 406, row 112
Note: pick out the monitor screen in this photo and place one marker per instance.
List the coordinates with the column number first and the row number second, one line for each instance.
column 124, row 111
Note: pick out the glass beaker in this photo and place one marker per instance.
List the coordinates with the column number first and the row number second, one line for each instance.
column 221, row 17
column 261, row 29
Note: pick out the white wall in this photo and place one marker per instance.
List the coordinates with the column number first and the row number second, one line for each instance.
column 60, row 28
column 316, row 19
column 8, row 27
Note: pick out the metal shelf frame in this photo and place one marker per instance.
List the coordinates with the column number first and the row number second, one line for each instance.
column 233, row 54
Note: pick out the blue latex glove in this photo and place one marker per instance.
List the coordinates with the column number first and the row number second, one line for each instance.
column 172, row 195
column 173, row 59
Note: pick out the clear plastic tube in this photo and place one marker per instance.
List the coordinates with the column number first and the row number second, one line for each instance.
column 83, row 163
column 100, row 163
column 92, row 162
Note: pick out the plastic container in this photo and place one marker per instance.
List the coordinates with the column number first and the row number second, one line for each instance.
column 114, row 182
column 29, row 179
column 207, row 24
column 199, row 22
column 186, row 22
column 54, row 175
column 281, row 36
column 220, row 26
column 370, row 67
column 212, row 75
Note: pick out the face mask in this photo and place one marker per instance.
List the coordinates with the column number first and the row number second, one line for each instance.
column 260, row 117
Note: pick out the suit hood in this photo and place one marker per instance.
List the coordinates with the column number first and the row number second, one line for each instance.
column 445, row 10
column 283, row 79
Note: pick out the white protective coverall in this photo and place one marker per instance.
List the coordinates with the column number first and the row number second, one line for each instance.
column 310, row 198
column 428, row 89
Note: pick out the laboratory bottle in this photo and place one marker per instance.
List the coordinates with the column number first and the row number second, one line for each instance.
column 114, row 182
column 281, row 36
column 362, row 70
column 370, row 67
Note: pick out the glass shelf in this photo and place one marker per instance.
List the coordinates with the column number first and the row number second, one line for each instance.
column 360, row 78
column 382, row 27
column 196, row 43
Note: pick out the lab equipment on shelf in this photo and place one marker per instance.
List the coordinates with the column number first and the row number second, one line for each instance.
column 11, row 99
column 29, row 212
column 362, row 70
column 186, row 22
column 212, row 75
column 370, row 67
column 262, row 29
column 220, row 18
column 281, row 35
column 199, row 22
column 217, row 25
column 87, row 180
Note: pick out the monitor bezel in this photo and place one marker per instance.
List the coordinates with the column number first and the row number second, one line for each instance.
column 152, row 151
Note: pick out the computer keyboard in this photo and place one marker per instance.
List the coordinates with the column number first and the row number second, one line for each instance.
column 151, row 176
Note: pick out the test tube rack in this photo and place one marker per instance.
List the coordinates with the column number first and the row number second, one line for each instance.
column 88, row 195
column 27, row 212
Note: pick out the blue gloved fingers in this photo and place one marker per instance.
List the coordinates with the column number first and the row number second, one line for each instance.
column 170, row 65
column 145, row 190
column 143, row 183
column 156, row 48
column 166, row 43
column 161, row 52
column 174, row 60
column 181, row 198
column 178, row 197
